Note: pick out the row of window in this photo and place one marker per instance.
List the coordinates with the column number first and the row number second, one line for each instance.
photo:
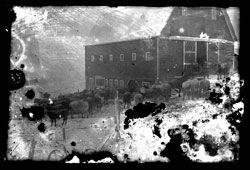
column 111, row 82
column 106, row 82
column 147, row 58
column 185, row 12
column 115, row 83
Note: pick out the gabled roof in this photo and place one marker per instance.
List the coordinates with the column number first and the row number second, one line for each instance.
column 229, row 25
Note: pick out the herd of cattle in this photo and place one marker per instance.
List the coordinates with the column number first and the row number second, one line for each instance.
column 91, row 101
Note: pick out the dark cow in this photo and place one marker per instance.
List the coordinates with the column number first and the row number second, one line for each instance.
column 222, row 70
column 138, row 98
column 79, row 107
column 90, row 101
column 53, row 116
column 176, row 83
column 127, row 98
column 106, row 94
column 204, row 88
column 97, row 101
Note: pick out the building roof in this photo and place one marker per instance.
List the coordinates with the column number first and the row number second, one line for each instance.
column 149, row 22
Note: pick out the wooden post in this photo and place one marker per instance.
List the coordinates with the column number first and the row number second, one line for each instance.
column 184, row 43
column 218, row 45
column 117, row 110
column 157, row 61
column 64, row 134
column 32, row 149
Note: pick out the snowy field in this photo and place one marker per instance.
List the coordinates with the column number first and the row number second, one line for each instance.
column 214, row 139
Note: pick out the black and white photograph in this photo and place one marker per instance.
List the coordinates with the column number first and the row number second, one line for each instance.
column 100, row 84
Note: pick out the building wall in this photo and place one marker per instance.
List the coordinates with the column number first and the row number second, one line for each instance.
column 170, row 59
column 126, row 70
column 197, row 20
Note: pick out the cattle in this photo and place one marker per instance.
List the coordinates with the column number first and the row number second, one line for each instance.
column 97, row 101
column 194, row 83
column 186, row 89
column 166, row 91
column 53, row 115
column 138, row 98
column 158, row 91
column 127, row 97
column 222, row 70
column 79, row 107
column 204, row 88
column 90, row 101
column 106, row 94
column 176, row 83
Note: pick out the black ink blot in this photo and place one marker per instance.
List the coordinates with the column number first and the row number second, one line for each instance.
column 16, row 79
column 22, row 66
column 73, row 143
column 41, row 127
column 30, row 94
column 34, row 113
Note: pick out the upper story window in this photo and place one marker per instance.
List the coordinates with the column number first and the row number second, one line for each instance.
column 214, row 13
column 106, row 82
column 133, row 56
column 101, row 57
column 110, row 57
column 145, row 84
column 184, row 11
column 121, row 83
column 116, row 83
column 148, row 57
column 110, row 83
column 121, row 57
column 92, row 58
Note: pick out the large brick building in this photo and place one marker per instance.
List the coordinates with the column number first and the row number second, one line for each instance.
column 179, row 46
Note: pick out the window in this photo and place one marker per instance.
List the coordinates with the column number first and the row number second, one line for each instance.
column 184, row 11
column 121, row 83
column 106, row 82
column 116, row 83
column 190, row 52
column 214, row 13
column 121, row 57
column 133, row 56
column 148, row 57
column 146, row 84
column 101, row 57
column 99, row 81
column 92, row 58
column 110, row 83
column 91, row 83
column 110, row 57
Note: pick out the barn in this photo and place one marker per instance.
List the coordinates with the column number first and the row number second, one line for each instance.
column 193, row 41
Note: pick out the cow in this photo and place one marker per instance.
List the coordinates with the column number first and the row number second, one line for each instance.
column 222, row 70
column 105, row 93
column 204, row 88
column 176, row 83
column 194, row 83
column 127, row 97
column 138, row 98
column 53, row 116
column 80, row 106
column 166, row 91
column 90, row 101
column 97, row 101
column 186, row 88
